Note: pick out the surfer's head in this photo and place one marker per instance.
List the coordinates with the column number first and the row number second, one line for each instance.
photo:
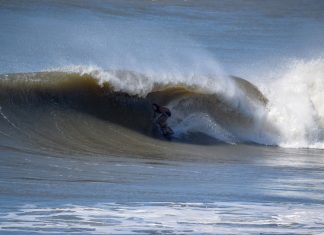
column 155, row 107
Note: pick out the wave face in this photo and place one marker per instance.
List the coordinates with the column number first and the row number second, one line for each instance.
column 80, row 108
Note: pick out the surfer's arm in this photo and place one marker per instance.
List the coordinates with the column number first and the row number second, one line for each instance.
column 154, row 115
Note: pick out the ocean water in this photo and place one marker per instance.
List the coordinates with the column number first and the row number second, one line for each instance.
column 80, row 152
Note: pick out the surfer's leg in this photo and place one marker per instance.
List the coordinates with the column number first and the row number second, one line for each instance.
column 162, row 121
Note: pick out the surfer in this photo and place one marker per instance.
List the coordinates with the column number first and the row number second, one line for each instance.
column 164, row 113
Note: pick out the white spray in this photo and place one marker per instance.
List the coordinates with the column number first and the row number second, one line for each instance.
column 295, row 106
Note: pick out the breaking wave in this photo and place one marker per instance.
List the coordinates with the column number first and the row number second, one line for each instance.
column 58, row 105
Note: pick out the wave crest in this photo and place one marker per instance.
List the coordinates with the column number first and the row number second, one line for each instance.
column 225, row 108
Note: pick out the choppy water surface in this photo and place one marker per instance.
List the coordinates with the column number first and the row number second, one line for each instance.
column 202, row 189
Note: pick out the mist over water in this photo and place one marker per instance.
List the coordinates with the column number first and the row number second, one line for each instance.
column 177, row 36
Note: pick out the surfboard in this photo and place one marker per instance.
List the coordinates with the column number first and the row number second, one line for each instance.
column 167, row 132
